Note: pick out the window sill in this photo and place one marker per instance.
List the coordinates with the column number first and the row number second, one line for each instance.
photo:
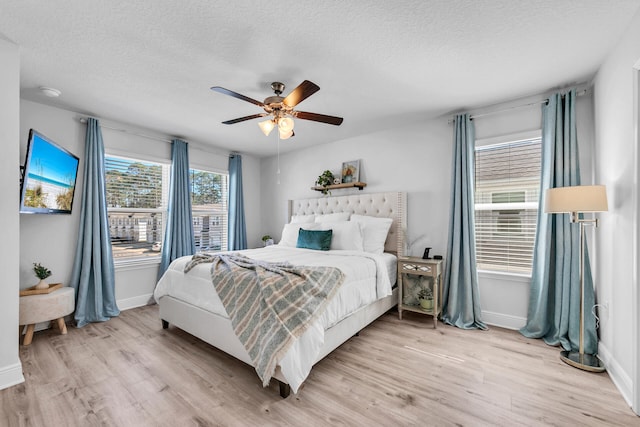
column 135, row 264
column 500, row 275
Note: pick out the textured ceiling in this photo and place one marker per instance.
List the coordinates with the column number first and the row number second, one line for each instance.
column 379, row 63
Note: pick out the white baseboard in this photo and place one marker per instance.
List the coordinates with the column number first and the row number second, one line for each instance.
column 503, row 320
column 619, row 377
column 137, row 301
column 11, row 375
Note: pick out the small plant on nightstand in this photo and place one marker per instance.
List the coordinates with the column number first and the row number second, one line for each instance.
column 267, row 240
column 41, row 273
column 425, row 296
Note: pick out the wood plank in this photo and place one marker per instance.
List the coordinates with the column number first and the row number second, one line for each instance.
column 130, row 371
column 33, row 291
column 359, row 185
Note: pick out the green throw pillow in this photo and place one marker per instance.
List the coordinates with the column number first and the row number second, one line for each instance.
column 319, row 240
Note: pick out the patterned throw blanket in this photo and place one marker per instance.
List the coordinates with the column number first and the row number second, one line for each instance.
column 270, row 304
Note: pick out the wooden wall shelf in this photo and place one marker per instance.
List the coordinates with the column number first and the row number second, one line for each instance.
column 359, row 185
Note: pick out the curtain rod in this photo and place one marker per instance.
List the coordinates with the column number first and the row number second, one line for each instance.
column 530, row 104
column 157, row 138
column 142, row 135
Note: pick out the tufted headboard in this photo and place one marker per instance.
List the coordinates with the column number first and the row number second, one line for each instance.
column 387, row 205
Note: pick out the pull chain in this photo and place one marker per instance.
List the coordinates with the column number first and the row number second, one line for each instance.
column 278, row 165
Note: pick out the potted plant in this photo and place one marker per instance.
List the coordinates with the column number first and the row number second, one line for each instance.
column 324, row 180
column 267, row 240
column 425, row 296
column 41, row 273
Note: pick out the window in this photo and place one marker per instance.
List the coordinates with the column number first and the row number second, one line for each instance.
column 209, row 210
column 507, row 190
column 137, row 198
column 136, row 206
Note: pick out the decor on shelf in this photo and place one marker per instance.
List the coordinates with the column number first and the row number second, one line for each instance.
column 41, row 273
column 281, row 109
column 324, row 180
column 351, row 171
column 576, row 200
column 425, row 296
column 267, row 240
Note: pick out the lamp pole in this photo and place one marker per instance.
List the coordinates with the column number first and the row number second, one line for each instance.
column 580, row 360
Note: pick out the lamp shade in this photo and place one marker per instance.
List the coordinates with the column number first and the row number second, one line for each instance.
column 579, row 198
column 285, row 124
column 285, row 135
column 267, row 126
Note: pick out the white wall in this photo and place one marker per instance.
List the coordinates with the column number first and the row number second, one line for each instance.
column 10, row 366
column 51, row 239
column 417, row 159
column 504, row 298
column 616, row 168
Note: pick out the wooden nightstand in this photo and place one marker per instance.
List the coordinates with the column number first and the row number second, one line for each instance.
column 414, row 274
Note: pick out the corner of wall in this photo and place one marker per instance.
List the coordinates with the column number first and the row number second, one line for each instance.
column 10, row 366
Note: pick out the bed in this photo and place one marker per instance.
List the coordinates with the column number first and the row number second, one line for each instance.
column 189, row 301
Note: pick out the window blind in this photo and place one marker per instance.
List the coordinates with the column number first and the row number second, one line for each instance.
column 136, row 206
column 507, row 181
column 209, row 194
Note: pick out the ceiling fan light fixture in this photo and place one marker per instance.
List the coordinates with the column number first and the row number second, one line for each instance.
column 267, row 126
column 285, row 124
column 281, row 109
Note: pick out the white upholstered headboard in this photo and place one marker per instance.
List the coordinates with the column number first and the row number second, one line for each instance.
column 387, row 205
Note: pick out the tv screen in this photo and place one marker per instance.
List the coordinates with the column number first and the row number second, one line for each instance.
column 49, row 177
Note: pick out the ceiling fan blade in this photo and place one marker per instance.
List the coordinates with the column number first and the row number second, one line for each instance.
column 236, row 95
column 299, row 94
column 242, row 119
column 332, row 120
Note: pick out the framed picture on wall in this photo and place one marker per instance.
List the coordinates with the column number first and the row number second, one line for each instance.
column 351, row 171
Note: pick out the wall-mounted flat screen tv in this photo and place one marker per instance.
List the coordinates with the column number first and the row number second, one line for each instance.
column 49, row 177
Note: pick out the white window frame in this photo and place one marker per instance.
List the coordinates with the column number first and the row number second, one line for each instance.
column 166, row 167
column 526, row 205
column 225, row 209
column 129, row 262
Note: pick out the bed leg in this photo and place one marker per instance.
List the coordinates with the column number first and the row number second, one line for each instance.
column 165, row 324
column 285, row 389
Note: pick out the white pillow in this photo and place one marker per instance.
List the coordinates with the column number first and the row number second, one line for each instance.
column 290, row 233
column 347, row 235
column 302, row 219
column 374, row 232
column 338, row 216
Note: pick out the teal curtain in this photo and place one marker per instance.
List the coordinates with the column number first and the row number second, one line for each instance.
column 93, row 275
column 554, row 299
column 237, row 230
column 461, row 297
column 178, row 237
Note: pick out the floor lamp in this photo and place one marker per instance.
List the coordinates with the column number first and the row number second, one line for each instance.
column 576, row 200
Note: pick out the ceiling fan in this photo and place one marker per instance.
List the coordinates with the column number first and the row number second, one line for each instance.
column 281, row 109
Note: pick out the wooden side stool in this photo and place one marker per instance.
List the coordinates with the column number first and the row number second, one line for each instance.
column 43, row 307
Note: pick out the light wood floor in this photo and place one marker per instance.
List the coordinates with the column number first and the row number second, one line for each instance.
column 130, row 372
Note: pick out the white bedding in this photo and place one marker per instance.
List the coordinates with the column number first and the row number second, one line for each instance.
column 368, row 277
